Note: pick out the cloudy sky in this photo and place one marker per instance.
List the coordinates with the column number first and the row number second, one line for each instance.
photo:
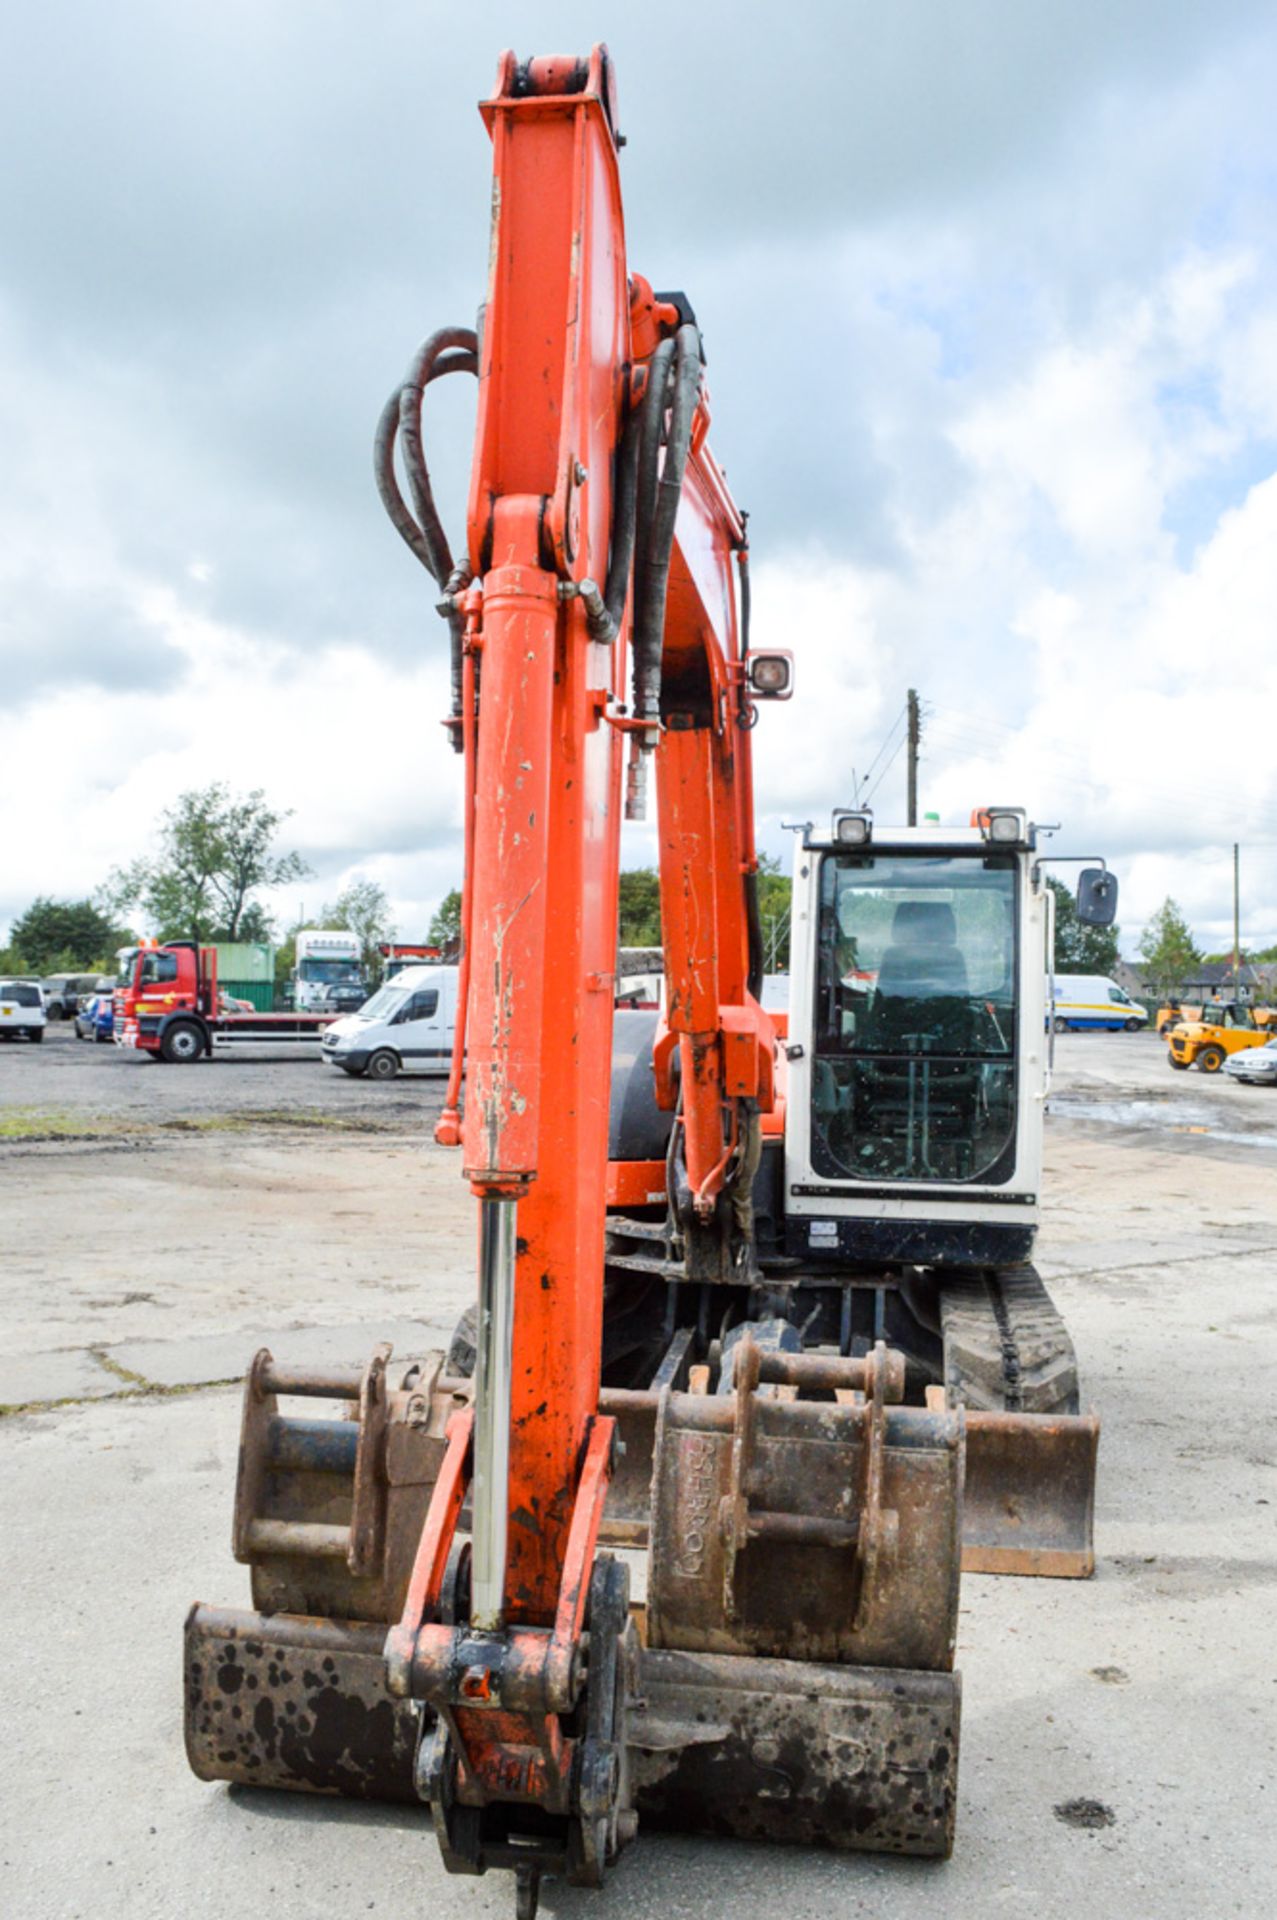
column 989, row 296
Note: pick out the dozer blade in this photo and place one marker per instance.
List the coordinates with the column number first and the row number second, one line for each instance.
column 793, row 1751
column 288, row 1700
column 1029, row 1496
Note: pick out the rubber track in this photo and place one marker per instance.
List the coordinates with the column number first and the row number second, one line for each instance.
column 1006, row 1349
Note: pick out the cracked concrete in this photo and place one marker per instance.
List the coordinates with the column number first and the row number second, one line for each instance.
column 1149, row 1692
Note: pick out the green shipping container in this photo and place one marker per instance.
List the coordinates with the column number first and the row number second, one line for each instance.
column 260, row 992
column 245, row 960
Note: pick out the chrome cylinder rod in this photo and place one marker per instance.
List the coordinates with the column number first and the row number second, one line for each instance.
column 494, row 1360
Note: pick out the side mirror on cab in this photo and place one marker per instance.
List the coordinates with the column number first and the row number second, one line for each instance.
column 1096, row 897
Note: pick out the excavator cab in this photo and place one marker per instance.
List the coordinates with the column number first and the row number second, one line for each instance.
column 915, row 1022
column 914, row 1015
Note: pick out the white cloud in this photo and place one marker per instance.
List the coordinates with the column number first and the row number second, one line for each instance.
column 994, row 354
column 347, row 741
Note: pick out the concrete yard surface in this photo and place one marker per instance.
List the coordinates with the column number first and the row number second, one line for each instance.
column 1118, row 1734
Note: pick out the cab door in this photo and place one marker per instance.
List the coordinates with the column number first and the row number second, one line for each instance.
column 421, row 1038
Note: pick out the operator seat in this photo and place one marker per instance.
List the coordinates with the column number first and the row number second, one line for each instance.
column 923, row 961
column 920, row 1006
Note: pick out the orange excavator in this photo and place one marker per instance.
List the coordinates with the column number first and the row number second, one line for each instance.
column 441, row 1555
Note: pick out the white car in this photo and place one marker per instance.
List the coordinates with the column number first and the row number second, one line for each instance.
column 1254, row 1066
column 408, row 1024
column 21, row 1010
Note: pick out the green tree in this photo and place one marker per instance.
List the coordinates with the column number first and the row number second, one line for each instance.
column 55, row 935
column 216, row 851
column 640, row 910
column 256, row 926
column 363, row 909
column 1167, row 949
column 640, row 914
column 1078, row 948
column 775, row 891
column 445, row 927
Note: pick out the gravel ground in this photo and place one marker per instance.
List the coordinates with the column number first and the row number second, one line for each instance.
column 114, row 1083
column 163, row 1222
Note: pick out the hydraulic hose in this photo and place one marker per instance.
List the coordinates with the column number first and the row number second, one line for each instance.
column 624, row 520
column 651, row 433
column 450, row 350
column 754, row 933
column 742, row 568
column 658, row 499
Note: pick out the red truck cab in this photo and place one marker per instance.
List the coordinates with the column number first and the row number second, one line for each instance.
column 164, row 999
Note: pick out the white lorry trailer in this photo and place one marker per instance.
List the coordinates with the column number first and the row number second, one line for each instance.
column 325, row 958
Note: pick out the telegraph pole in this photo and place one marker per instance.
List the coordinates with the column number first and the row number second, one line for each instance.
column 915, row 735
column 1237, row 922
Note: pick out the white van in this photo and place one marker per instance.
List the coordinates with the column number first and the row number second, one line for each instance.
column 408, row 1024
column 1093, row 1000
column 21, row 1009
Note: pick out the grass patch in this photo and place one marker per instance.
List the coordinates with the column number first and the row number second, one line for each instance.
column 118, row 1370
column 9, row 1410
column 54, row 1123
column 34, row 1125
column 296, row 1120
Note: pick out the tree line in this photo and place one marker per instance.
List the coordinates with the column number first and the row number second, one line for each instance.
column 216, row 852
column 1170, row 952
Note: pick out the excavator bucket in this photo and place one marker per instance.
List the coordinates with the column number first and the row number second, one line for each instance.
column 292, row 1701
column 1029, row 1498
column 803, row 1754
column 1028, row 1501
column 796, row 1679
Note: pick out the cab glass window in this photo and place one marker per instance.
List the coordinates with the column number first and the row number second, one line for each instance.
column 158, row 970
column 914, row 1069
column 420, row 1006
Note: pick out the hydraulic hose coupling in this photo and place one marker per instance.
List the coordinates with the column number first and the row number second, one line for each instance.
column 598, row 620
column 641, row 746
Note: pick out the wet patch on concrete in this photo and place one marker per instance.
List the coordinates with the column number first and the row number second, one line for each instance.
column 1088, row 1815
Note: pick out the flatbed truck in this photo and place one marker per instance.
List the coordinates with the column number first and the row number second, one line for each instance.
column 168, row 1005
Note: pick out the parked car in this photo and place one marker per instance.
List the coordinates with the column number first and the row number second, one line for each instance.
column 63, row 993
column 344, row 996
column 95, row 1017
column 407, row 1023
column 231, row 1003
column 1254, row 1066
column 21, row 1009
